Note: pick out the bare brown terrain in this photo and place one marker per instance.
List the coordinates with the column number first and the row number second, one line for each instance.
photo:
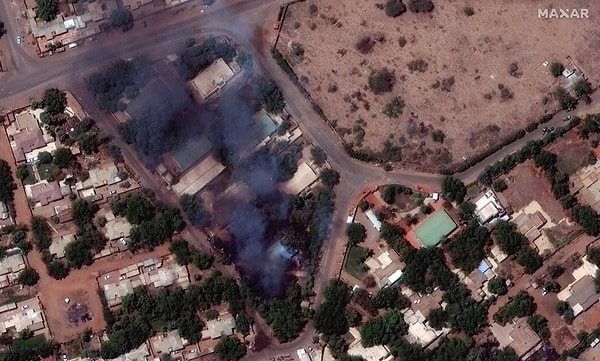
column 461, row 83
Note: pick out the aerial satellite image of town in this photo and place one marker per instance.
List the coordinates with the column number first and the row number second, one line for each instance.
column 299, row 180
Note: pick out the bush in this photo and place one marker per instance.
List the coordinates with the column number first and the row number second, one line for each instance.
column 394, row 108
column 520, row 305
column 269, row 95
column 556, row 69
column 381, row 81
column 365, row 45
column 122, row 18
column 419, row 65
column 500, row 185
column 420, row 6
column 497, row 285
column 28, row 277
column 530, row 260
column 468, row 11
column 356, row 233
column 318, row 155
column 453, row 189
column 394, row 8
column 438, row 136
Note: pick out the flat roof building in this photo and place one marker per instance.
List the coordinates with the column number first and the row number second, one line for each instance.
column 212, row 78
column 166, row 343
column 45, row 193
column 487, row 207
column 580, row 295
column 27, row 314
column 386, row 268
column 222, row 326
column 11, row 265
column 104, row 175
column 434, row 228
column 517, row 335
column 304, row 177
column 372, row 217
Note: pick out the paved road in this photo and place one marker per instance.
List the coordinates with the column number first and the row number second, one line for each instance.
column 244, row 22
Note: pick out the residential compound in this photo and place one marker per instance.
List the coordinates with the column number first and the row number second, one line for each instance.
column 11, row 264
column 27, row 314
column 153, row 273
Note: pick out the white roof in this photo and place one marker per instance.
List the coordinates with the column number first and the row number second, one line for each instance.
column 394, row 277
column 373, row 219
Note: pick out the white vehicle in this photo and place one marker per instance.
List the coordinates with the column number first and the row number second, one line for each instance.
column 67, row 300
column 19, row 40
column 595, row 342
column 72, row 45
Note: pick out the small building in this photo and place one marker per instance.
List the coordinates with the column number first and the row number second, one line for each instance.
column 26, row 141
column 166, row 343
column 385, row 268
column 222, row 326
column 374, row 353
column 116, row 227
column 10, row 266
column 27, row 314
column 372, row 217
column 434, row 228
column 212, row 78
column 581, row 295
column 488, row 207
column 137, row 354
column 517, row 335
column 46, row 193
column 303, row 178
column 57, row 248
column 106, row 174
column 64, row 212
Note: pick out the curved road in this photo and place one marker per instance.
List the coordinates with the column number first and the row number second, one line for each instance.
column 243, row 21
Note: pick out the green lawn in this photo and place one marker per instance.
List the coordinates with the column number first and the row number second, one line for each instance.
column 46, row 171
column 30, row 343
column 355, row 261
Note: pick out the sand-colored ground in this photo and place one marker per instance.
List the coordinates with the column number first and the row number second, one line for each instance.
column 475, row 50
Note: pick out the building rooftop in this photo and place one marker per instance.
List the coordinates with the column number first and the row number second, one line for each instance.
column 116, row 228
column 375, row 353
column 386, row 268
column 166, row 343
column 434, row 228
column 138, row 354
column 581, row 294
column 26, row 120
column 104, row 175
column 10, row 267
column 418, row 329
column 487, row 206
column 517, row 335
column 213, row 77
column 222, row 326
column 46, row 193
column 27, row 314
column 57, row 248
column 304, row 177
column 372, row 217
column 47, row 30
column 26, row 141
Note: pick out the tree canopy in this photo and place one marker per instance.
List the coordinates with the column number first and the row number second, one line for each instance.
column 384, row 329
column 329, row 317
column 356, row 233
column 195, row 210
column 28, row 277
column 122, row 18
column 521, row 305
column 269, row 96
column 230, row 348
column 54, row 101
column 46, row 10
column 497, row 285
column 468, row 248
column 453, row 189
column 7, row 183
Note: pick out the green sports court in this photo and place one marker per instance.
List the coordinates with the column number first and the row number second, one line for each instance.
column 434, row 228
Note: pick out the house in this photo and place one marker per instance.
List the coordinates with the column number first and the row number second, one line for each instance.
column 487, row 207
column 10, row 266
column 106, row 174
column 580, row 295
column 517, row 335
column 212, row 78
column 374, row 353
column 386, row 268
column 138, row 354
column 26, row 141
column 372, row 217
column 303, row 178
column 222, row 326
column 27, row 314
column 166, row 343
column 45, row 193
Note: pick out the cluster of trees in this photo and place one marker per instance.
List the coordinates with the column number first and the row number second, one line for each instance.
column 539, row 324
column 230, row 348
column 356, row 233
column 389, row 192
column 196, row 57
column 154, row 222
column 564, row 99
column 63, row 158
column 46, row 10
column 590, row 125
column 195, row 211
column 121, row 78
column 268, row 95
column 467, row 249
column 521, row 305
column 564, row 309
column 28, row 277
column 329, row 317
column 381, row 81
column 122, row 18
column 89, row 240
column 25, row 348
column 393, row 109
column 329, row 177
column 497, row 285
column 512, row 242
column 176, row 308
column 453, row 189
column 285, row 316
column 7, row 183
column 186, row 254
column 384, row 329
column 86, row 134
column 54, row 103
column 318, row 155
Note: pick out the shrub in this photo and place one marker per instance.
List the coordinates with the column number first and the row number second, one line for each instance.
column 556, row 69
column 419, row 65
column 28, row 277
column 312, row 9
column 468, row 11
column 394, row 108
column 394, row 8
column 356, row 233
column 420, row 6
column 497, row 285
column 365, row 45
column 381, row 81
column 500, row 185
column 438, row 136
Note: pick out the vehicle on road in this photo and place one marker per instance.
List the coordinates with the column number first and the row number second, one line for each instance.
column 19, row 40
column 567, row 118
column 551, row 130
column 544, row 130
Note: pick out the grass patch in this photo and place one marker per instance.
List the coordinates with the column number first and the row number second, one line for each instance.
column 47, row 171
column 355, row 261
column 29, row 344
column 473, row 191
column 31, row 177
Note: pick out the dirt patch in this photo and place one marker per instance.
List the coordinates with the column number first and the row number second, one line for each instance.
column 455, row 73
column 572, row 153
column 526, row 183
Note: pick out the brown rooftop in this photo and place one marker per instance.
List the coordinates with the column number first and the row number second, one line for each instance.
column 46, row 192
column 27, row 141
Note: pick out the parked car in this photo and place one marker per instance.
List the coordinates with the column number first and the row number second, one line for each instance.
column 19, row 40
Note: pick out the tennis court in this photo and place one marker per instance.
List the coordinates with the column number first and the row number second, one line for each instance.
column 434, row 228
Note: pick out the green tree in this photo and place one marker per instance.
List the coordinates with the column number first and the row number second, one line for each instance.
column 45, row 157
column 83, row 212
column 54, row 100
column 244, row 60
column 28, row 277
column 508, row 238
column 520, row 305
column 556, row 69
column 7, row 183
column 2, row 29
column 539, row 324
column 381, row 81
column 269, row 96
column 384, row 329
column 329, row 177
column 468, row 248
column 63, row 158
column 437, row 318
column 138, row 209
column 122, row 18
column 41, row 233
column 500, row 185
column 329, row 317
column 390, row 297
column 194, row 209
column 555, row 270
column 22, row 172
column 562, row 307
column 497, row 285
column 393, row 109
column 552, row 286
column 46, row 10
column 394, row 8
column 243, row 323
column 453, row 189
column 57, row 269
column 356, row 233
column 230, row 348
column 318, row 155
column 582, row 88
column 530, row 260
column 587, row 218
column 507, row 354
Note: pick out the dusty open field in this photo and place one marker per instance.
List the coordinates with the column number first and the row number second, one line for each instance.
column 475, row 51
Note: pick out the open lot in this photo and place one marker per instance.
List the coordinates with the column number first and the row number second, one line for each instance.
column 572, row 153
column 460, row 89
